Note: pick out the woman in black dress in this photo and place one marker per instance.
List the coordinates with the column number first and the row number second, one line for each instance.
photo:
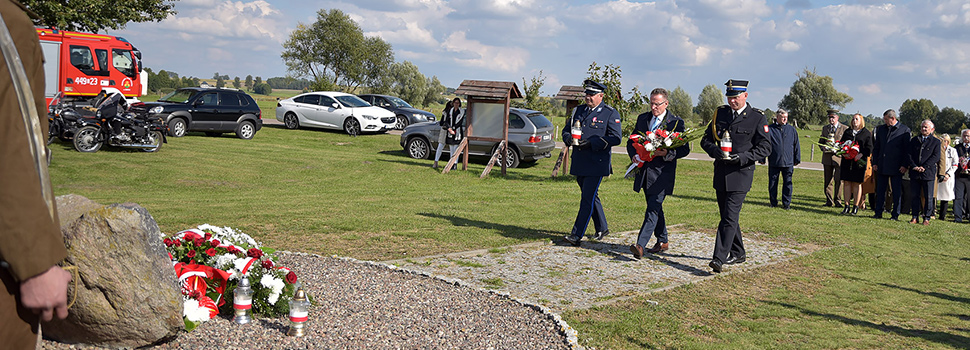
column 854, row 170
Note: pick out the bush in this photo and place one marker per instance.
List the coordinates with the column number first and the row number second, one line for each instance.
column 263, row 89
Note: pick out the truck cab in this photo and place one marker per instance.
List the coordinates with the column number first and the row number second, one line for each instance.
column 81, row 65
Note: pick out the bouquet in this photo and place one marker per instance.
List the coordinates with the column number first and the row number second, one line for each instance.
column 848, row 150
column 832, row 146
column 209, row 261
column 651, row 141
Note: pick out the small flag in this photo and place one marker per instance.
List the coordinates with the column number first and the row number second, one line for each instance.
column 766, row 128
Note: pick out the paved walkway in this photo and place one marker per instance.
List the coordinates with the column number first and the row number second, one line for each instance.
column 563, row 277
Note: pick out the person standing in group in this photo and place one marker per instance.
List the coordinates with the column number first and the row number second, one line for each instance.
column 785, row 155
column 854, row 169
column 31, row 244
column 944, row 192
column 600, row 130
column 451, row 113
column 830, row 162
column 747, row 129
column 656, row 177
column 961, row 187
column 924, row 154
column 889, row 162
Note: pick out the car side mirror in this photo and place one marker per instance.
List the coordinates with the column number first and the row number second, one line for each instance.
column 335, row 105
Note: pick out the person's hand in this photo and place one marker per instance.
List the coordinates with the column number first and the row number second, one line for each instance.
column 636, row 159
column 451, row 131
column 875, row 168
column 797, row 163
column 732, row 159
column 660, row 152
column 902, row 170
column 583, row 144
column 46, row 293
column 857, row 157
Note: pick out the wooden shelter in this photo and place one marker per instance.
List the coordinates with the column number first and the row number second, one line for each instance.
column 482, row 114
column 573, row 95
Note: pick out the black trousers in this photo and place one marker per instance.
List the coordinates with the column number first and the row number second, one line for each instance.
column 728, row 242
column 786, row 187
column 922, row 198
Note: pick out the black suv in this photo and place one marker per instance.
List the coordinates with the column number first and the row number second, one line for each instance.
column 212, row 110
column 405, row 113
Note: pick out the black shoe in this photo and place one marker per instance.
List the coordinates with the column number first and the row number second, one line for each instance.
column 600, row 235
column 715, row 265
column 855, row 210
column 574, row 240
column 877, row 216
column 829, row 205
column 786, row 206
column 894, row 218
column 736, row 259
column 845, row 210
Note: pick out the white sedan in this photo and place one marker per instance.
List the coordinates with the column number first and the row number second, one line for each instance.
column 333, row 110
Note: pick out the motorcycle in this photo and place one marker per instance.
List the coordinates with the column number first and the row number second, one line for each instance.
column 114, row 125
column 62, row 118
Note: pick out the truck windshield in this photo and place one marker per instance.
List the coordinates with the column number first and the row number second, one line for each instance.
column 123, row 62
column 177, row 96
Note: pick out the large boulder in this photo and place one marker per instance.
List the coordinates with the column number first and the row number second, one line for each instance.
column 127, row 295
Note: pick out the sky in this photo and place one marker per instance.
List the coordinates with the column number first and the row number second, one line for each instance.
column 880, row 53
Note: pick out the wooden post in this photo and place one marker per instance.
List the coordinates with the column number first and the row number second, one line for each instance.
column 454, row 157
column 498, row 150
column 562, row 162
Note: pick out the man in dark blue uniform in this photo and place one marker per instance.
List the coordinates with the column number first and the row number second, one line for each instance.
column 785, row 156
column 748, row 131
column 889, row 161
column 924, row 154
column 656, row 177
column 591, row 158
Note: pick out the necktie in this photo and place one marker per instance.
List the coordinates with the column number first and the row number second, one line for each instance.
column 655, row 124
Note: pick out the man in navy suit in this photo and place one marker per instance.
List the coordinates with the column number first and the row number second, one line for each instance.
column 889, row 161
column 591, row 158
column 748, row 130
column 924, row 153
column 656, row 177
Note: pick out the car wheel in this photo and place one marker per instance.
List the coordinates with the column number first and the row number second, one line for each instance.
column 213, row 134
column 246, row 130
column 402, row 122
column 177, row 127
column 418, row 148
column 352, row 126
column 156, row 140
column 291, row 121
column 87, row 139
column 511, row 158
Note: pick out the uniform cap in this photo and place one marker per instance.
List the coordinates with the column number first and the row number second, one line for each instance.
column 735, row 87
column 832, row 111
column 593, row 87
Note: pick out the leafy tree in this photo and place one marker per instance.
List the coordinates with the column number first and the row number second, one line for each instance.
column 811, row 96
column 913, row 112
column 263, row 89
column 434, row 91
column 236, row 83
column 707, row 103
column 95, row 15
column 259, row 80
column 220, row 83
column 216, row 75
column 610, row 75
column 408, row 82
column 532, row 89
column 681, row 104
column 249, row 81
column 950, row 120
column 374, row 58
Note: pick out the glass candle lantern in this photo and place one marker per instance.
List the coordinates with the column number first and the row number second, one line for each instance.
column 243, row 301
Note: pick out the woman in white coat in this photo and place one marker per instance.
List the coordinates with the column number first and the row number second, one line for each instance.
column 944, row 191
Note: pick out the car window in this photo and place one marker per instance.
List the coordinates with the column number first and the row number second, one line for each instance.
column 540, row 120
column 399, row 103
column 352, row 101
column 228, row 99
column 299, row 99
column 311, row 99
column 123, row 62
column 369, row 99
column 209, row 99
column 515, row 121
column 177, row 96
column 327, row 101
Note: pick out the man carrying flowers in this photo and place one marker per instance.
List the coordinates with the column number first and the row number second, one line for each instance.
column 658, row 167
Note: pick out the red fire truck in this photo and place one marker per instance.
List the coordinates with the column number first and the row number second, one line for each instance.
column 81, row 65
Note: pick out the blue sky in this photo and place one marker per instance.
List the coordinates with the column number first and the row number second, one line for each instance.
column 881, row 53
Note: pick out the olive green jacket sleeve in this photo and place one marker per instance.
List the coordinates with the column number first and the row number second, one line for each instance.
column 30, row 239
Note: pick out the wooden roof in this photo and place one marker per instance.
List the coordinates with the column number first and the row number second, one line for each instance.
column 570, row 92
column 488, row 89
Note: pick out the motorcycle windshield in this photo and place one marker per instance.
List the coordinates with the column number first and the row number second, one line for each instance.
column 109, row 106
column 54, row 102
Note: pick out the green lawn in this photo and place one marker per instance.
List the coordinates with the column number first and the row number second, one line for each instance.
column 871, row 284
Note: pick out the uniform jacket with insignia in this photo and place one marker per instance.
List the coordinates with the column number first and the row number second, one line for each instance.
column 658, row 174
column 601, row 128
column 750, row 141
column 835, row 132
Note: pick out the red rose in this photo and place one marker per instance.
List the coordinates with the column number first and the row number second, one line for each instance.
column 208, row 236
column 254, row 253
column 168, row 242
column 291, row 277
column 198, row 241
column 190, row 236
column 232, row 249
column 191, row 254
column 215, row 242
column 210, row 252
column 178, row 243
column 267, row 264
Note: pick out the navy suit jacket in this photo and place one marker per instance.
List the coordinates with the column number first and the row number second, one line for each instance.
column 750, row 141
column 785, row 150
column 601, row 128
column 925, row 154
column 889, row 151
column 658, row 174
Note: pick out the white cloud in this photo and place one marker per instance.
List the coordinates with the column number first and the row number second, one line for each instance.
column 787, row 46
column 484, row 56
column 255, row 20
column 871, row 89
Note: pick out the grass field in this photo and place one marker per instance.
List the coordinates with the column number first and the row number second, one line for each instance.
column 873, row 283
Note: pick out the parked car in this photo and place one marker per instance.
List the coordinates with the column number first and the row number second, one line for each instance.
column 211, row 110
column 530, row 139
column 333, row 110
column 403, row 111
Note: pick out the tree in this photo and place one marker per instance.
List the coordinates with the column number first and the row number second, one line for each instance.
column 95, row 15
column 610, row 76
column 263, row 89
column 950, row 120
column 913, row 112
column 259, row 80
column 707, row 103
column 681, row 104
column 408, row 82
column 811, row 96
column 220, row 83
column 334, row 49
column 236, row 83
column 434, row 91
column 249, row 82
column 532, row 91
